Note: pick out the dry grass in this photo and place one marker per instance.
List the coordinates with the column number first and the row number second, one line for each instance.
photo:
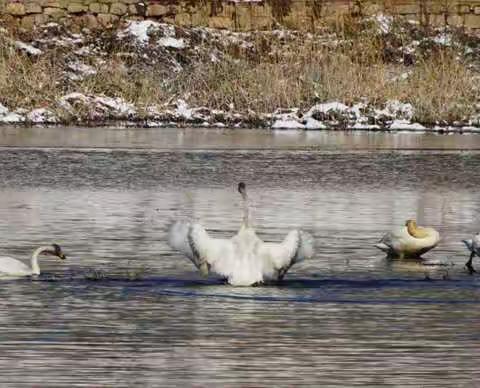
column 25, row 81
column 441, row 86
column 442, row 89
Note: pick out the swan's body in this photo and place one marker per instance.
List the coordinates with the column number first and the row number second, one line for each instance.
column 244, row 259
column 473, row 245
column 13, row 267
column 409, row 241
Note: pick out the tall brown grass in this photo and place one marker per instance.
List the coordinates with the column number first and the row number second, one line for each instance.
column 441, row 86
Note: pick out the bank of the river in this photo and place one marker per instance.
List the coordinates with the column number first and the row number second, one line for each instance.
column 375, row 74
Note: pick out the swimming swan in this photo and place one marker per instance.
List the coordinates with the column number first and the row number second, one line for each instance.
column 13, row 267
column 244, row 259
column 409, row 241
column 473, row 245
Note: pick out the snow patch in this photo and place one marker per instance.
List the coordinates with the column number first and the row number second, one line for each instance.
column 100, row 107
column 29, row 49
column 139, row 30
column 287, row 124
column 396, row 109
column 406, row 125
column 313, row 124
column 443, row 39
column 8, row 117
column 327, row 107
column 365, row 127
column 42, row 116
column 287, row 120
column 183, row 110
column 384, row 23
column 172, row 42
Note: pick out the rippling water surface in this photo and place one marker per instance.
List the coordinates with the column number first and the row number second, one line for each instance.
column 124, row 310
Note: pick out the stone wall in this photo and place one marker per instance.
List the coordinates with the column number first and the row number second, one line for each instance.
column 235, row 14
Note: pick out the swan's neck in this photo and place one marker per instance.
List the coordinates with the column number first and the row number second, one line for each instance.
column 416, row 231
column 35, row 266
column 246, row 211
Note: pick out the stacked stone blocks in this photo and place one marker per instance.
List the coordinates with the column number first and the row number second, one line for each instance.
column 235, row 14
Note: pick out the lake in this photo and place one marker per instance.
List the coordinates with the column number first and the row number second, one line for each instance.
column 125, row 310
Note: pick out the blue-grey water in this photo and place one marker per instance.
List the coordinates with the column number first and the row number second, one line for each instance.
column 125, row 310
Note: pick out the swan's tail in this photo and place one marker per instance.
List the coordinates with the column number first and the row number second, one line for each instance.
column 306, row 247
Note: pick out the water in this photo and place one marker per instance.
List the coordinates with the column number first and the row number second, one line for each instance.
column 124, row 310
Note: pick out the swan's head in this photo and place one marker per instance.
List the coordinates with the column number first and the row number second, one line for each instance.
column 242, row 188
column 57, row 251
column 411, row 224
column 416, row 231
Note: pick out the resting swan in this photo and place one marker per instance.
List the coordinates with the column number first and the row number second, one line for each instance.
column 473, row 245
column 244, row 259
column 409, row 241
column 13, row 267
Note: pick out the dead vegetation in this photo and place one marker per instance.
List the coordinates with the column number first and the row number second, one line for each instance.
column 435, row 71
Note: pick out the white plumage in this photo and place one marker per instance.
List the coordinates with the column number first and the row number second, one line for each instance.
column 13, row 267
column 409, row 240
column 244, row 259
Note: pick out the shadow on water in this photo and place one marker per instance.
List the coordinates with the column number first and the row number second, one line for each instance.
column 394, row 290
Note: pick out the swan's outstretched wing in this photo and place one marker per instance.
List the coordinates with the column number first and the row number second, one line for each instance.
column 469, row 244
column 11, row 266
column 204, row 251
column 279, row 257
column 473, row 244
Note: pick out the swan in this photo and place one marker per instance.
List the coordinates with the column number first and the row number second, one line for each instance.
column 244, row 259
column 409, row 241
column 13, row 267
column 473, row 245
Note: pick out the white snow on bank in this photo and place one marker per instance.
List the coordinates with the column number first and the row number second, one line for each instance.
column 406, row 125
column 116, row 106
column 384, row 22
column 327, row 107
column 313, row 124
column 139, row 30
column 365, row 127
column 183, row 110
column 42, row 116
column 172, row 42
column 8, row 117
column 29, row 49
column 101, row 107
column 396, row 109
column 287, row 124
column 443, row 39
column 287, row 120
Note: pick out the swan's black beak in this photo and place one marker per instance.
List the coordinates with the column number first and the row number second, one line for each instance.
column 58, row 251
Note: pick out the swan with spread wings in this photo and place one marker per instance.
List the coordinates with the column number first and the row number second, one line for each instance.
column 244, row 259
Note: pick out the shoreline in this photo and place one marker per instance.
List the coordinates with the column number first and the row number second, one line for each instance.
column 326, row 127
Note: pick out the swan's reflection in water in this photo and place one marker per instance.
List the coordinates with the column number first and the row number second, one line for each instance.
column 348, row 317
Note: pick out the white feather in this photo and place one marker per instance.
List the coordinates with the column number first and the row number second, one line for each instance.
column 12, row 267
